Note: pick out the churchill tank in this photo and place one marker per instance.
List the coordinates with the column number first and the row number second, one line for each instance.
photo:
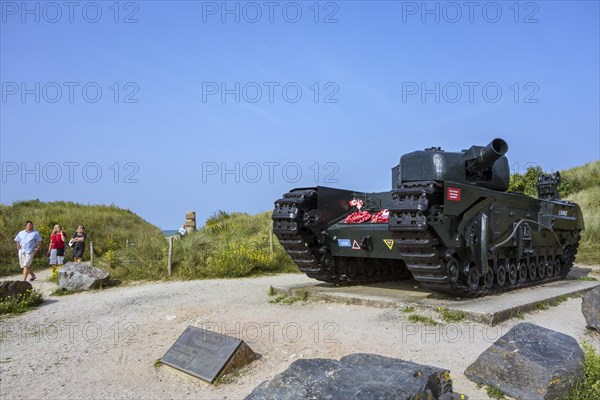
column 449, row 222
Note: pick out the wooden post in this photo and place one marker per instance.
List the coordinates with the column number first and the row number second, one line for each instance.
column 170, row 255
column 271, row 239
column 91, row 252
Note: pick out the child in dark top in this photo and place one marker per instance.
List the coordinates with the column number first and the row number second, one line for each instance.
column 79, row 243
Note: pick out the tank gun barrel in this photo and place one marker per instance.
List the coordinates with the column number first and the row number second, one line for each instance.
column 484, row 157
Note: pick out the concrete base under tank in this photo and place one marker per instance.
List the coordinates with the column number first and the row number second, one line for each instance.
column 489, row 310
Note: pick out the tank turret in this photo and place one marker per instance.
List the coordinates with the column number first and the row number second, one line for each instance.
column 483, row 166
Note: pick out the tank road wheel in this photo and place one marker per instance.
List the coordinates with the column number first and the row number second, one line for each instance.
column 549, row 269
column 473, row 279
column 512, row 274
column 522, row 273
column 386, row 270
column 328, row 263
column 350, row 270
column 370, row 272
column 541, row 267
column 501, row 275
column 566, row 257
column 488, row 279
column 453, row 269
column 557, row 267
column 532, row 272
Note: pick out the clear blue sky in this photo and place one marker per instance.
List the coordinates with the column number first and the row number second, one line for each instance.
column 370, row 60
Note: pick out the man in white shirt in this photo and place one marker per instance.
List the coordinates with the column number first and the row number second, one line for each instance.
column 29, row 242
column 182, row 230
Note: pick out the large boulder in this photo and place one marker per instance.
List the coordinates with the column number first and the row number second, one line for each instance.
column 13, row 289
column 590, row 307
column 530, row 362
column 356, row 376
column 81, row 276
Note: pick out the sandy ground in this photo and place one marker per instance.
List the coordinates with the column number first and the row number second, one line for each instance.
column 103, row 344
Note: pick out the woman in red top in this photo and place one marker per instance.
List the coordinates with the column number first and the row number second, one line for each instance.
column 56, row 250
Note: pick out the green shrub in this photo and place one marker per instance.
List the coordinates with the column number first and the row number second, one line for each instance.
column 21, row 303
column 525, row 183
column 589, row 388
column 579, row 178
column 589, row 246
column 230, row 245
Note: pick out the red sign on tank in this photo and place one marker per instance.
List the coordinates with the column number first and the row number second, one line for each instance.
column 453, row 194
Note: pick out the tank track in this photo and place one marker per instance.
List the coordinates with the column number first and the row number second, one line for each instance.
column 293, row 216
column 427, row 260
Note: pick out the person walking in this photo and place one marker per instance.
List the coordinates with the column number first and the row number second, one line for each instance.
column 79, row 243
column 56, row 249
column 29, row 242
column 182, row 231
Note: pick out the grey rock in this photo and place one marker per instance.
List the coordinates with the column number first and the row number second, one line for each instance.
column 356, row 376
column 13, row 288
column 590, row 307
column 81, row 276
column 530, row 362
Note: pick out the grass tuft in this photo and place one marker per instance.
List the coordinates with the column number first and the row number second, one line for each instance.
column 451, row 315
column 227, row 378
column 558, row 301
column 422, row 319
column 285, row 299
column 408, row 309
column 494, row 393
column 64, row 292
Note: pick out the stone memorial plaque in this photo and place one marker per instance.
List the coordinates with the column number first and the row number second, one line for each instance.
column 202, row 353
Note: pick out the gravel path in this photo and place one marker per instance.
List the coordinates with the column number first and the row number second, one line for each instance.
column 103, row 344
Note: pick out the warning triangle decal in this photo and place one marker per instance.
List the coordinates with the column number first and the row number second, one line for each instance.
column 355, row 245
column 389, row 243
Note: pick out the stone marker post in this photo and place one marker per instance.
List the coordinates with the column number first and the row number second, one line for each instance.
column 190, row 221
